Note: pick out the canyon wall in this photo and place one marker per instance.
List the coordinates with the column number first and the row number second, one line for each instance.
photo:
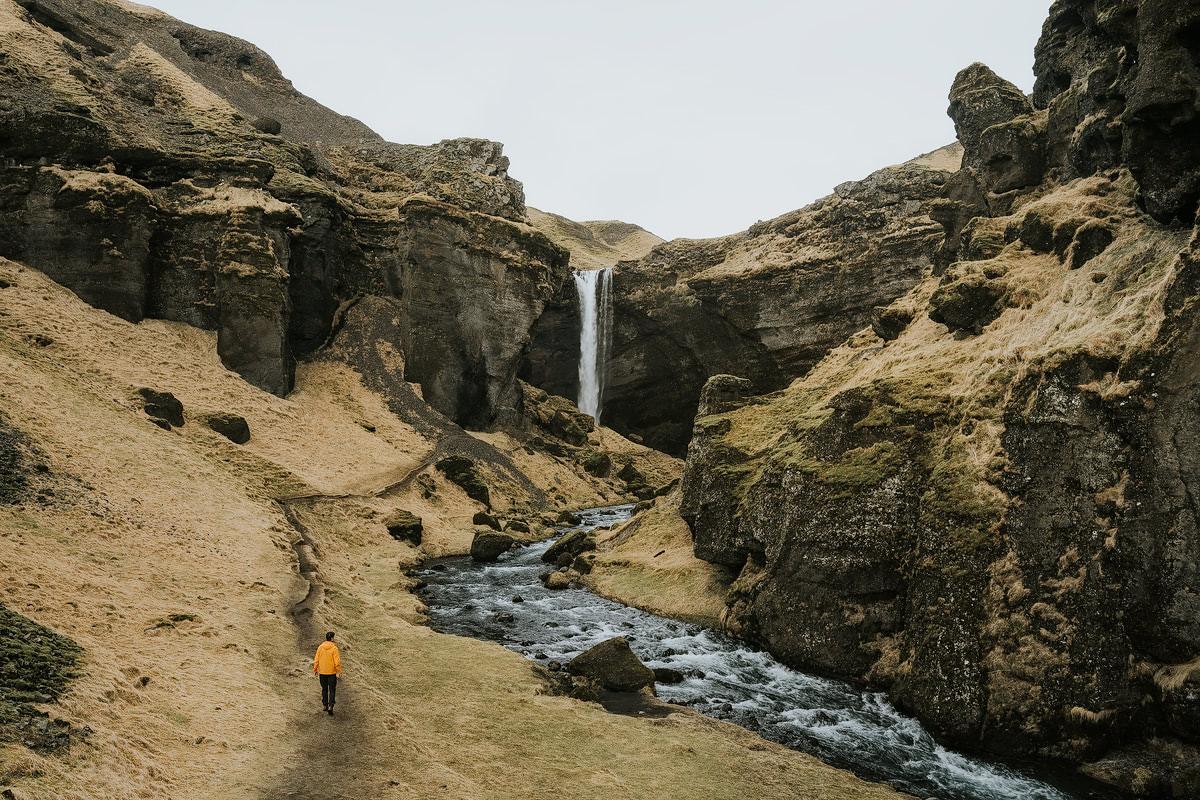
column 160, row 170
column 768, row 302
column 985, row 501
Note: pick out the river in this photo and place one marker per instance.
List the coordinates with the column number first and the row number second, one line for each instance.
column 837, row 722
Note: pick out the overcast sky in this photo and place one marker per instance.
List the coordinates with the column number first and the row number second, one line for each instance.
column 692, row 118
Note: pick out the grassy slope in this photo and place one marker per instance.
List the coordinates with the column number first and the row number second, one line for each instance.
column 155, row 523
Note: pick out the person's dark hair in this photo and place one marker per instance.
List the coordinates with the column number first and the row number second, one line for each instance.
column 329, row 636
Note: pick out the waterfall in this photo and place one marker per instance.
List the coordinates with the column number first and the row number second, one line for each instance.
column 594, row 287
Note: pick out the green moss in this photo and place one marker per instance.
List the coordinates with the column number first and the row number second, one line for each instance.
column 37, row 663
column 461, row 471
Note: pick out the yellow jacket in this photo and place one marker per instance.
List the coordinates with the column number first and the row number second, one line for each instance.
column 327, row 661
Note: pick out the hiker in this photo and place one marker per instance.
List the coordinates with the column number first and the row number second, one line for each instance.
column 327, row 665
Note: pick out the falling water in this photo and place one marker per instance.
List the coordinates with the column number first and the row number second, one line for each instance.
column 594, row 287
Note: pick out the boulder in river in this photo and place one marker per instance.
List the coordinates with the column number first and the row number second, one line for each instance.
column 557, row 580
column 612, row 665
column 569, row 518
column 489, row 545
column 668, row 675
column 572, row 543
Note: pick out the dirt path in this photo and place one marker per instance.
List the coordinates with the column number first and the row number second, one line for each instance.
column 327, row 748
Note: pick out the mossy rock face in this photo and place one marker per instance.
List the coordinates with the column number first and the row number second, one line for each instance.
column 404, row 526
column 566, row 427
column 161, row 407
column 231, row 426
column 596, row 462
column 889, row 322
column 36, row 666
column 461, row 471
column 484, row 518
column 1090, row 240
column 612, row 665
column 630, row 474
column 489, row 545
column 968, row 303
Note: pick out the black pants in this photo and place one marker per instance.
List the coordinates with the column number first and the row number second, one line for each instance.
column 328, row 689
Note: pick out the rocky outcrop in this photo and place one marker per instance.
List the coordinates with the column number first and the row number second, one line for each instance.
column 767, row 303
column 160, row 170
column 612, row 665
column 983, row 502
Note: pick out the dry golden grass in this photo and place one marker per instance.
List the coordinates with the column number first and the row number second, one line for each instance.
column 649, row 563
column 155, row 523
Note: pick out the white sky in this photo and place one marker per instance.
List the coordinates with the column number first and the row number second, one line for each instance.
column 688, row 118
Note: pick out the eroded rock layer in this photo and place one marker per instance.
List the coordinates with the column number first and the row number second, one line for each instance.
column 768, row 302
column 160, row 170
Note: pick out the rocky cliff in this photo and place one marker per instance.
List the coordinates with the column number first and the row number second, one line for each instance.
column 767, row 303
column 164, row 171
column 985, row 502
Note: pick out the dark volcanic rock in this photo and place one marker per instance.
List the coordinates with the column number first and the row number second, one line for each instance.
column 231, row 426
column 406, row 526
column 1121, row 83
column 161, row 406
column 462, row 471
column 489, row 545
column 613, row 666
column 484, row 518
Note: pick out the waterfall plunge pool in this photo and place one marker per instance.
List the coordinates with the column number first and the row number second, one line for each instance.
column 730, row 680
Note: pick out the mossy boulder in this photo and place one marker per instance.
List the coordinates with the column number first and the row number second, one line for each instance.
column 489, row 545
column 569, row 518
column 1090, row 240
column 566, row 427
column 404, row 526
column 231, row 426
column 517, row 525
column 613, row 666
column 571, row 544
column 36, row 666
column 558, row 581
column 596, row 462
column 968, row 303
column 461, row 471
column 888, row 322
column 484, row 518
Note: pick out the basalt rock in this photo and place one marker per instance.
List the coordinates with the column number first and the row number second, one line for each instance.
column 767, row 303
column 161, row 406
column 187, row 180
column 571, row 545
column 613, row 666
column 489, row 545
column 231, row 426
column 406, row 526
column 1120, row 82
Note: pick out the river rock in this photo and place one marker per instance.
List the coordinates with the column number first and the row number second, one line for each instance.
column 668, row 675
column 568, row 518
column 557, row 581
column 484, row 518
column 516, row 525
column 613, row 666
column 571, row 544
column 405, row 526
column 583, row 564
column 489, row 545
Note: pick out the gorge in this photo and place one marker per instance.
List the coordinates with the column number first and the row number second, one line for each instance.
column 934, row 434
